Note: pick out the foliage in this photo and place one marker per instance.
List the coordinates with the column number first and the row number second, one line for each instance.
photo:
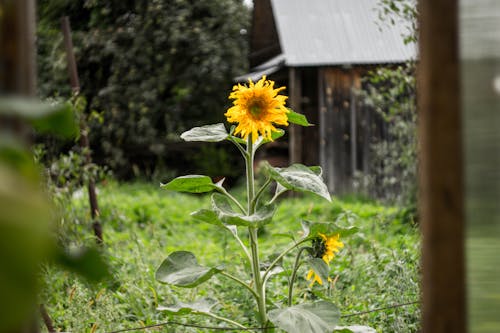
column 403, row 10
column 378, row 267
column 392, row 94
column 25, row 236
column 148, row 68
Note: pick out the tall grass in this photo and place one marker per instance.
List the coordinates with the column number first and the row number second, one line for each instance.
column 379, row 266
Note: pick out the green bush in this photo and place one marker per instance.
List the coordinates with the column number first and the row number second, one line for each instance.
column 148, row 69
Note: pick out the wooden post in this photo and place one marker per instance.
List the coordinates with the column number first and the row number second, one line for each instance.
column 441, row 169
column 354, row 132
column 84, row 139
column 17, row 45
column 18, row 77
column 70, row 55
column 295, row 134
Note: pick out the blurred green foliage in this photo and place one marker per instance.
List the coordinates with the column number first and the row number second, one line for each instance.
column 149, row 69
column 26, row 238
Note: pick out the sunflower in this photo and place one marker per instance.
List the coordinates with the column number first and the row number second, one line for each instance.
column 324, row 247
column 257, row 108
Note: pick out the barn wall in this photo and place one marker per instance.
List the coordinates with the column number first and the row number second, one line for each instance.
column 347, row 128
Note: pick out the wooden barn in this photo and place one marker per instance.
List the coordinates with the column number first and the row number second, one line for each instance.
column 320, row 50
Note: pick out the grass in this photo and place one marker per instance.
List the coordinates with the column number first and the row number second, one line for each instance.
column 379, row 266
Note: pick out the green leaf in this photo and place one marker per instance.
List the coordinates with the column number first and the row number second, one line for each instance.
column 276, row 270
column 204, row 305
column 207, row 216
column 300, row 178
column 312, row 229
column 318, row 317
column 181, row 269
column 317, row 170
column 191, row 184
column 45, row 117
column 25, row 242
column 89, row 263
column 277, row 134
column 60, row 122
column 225, row 213
column 207, row 133
column 320, row 267
column 297, row 118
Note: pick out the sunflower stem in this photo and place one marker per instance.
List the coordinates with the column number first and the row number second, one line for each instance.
column 243, row 247
column 282, row 254
column 254, row 244
column 240, row 148
column 233, row 199
column 296, row 266
column 235, row 279
column 227, row 320
column 261, row 190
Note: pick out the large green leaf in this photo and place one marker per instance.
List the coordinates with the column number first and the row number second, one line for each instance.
column 300, row 178
column 312, row 229
column 318, row 317
column 225, row 213
column 181, row 269
column 191, row 184
column 56, row 118
column 320, row 267
column 204, row 305
column 207, row 133
column 207, row 216
column 297, row 118
column 25, row 242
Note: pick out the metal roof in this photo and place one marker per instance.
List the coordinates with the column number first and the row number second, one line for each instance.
column 269, row 67
column 336, row 32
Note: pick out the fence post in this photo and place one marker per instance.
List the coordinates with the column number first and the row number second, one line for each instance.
column 441, row 202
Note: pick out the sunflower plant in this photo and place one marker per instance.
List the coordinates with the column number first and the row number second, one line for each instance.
column 257, row 114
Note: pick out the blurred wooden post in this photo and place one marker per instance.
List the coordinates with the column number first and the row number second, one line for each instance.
column 441, row 201
column 17, row 47
column 17, row 76
column 84, row 139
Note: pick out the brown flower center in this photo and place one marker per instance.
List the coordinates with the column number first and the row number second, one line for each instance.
column 256, row 107
column 319, row 247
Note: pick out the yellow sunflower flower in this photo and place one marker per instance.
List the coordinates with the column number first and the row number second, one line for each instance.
column 257, row 108
column 324, row 247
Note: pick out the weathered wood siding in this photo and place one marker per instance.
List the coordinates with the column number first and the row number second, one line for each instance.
column 336, row 96
column 347, row 127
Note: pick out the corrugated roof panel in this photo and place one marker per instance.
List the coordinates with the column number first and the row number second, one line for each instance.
column 333, row 32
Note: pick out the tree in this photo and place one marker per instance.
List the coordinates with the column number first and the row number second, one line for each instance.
column 148, row 68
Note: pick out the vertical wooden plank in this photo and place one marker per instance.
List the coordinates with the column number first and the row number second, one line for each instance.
column 322, row 119
column 330, row 166
column 354, row 132
column 295, row 133
column 441, row 176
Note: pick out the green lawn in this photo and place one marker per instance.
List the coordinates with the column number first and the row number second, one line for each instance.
column 379, row 266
